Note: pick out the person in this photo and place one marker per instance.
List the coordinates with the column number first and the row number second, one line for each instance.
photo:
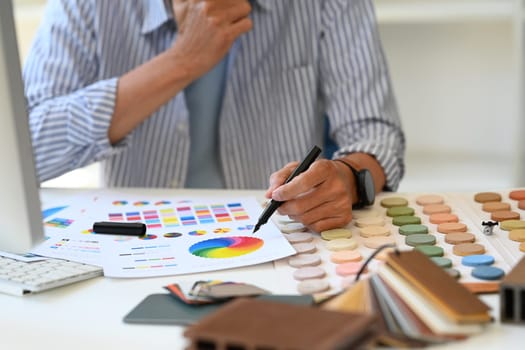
column 217, row 94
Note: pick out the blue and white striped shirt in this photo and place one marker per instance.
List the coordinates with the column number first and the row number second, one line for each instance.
column 301, row 61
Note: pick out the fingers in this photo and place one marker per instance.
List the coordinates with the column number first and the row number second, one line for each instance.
column 235, row 11
column 318, row 172
column 240, row 27
column 279, row 177
column 224, row 12
column 328, row 215
column 320, row 198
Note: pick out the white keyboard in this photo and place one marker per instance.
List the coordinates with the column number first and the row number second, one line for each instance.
column 20, row 278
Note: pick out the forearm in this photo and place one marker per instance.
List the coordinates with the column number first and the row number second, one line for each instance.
column 144, row 90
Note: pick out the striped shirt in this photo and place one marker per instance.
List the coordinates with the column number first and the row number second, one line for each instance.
column 301, row 61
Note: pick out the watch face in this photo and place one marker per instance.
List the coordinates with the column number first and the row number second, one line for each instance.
column 369, row 191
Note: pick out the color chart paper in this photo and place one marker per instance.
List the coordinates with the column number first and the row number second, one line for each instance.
column 184, row 235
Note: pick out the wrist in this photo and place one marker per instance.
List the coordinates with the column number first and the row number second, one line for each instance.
column 180, row 68
column 363, row 188
column 350, row 177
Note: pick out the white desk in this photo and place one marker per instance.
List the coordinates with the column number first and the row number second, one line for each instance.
column 88, row 315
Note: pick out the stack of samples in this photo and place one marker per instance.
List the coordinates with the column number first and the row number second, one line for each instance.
column 416, row 301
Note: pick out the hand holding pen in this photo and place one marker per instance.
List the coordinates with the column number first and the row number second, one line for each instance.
column 273, row 205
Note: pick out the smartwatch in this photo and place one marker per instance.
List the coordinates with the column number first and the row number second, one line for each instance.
column 364, row 182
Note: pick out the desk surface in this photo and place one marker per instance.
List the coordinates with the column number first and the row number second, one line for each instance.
column 89, row 314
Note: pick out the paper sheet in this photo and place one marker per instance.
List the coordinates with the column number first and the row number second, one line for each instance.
column 184, row 234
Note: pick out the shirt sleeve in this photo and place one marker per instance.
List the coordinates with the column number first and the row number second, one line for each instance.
column 70, row 109
column 356, row 87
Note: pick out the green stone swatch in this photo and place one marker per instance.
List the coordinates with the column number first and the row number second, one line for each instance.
column 399, row 211
column 405, row 220
column 412, row 229
column 430, row 250
column 420, row 239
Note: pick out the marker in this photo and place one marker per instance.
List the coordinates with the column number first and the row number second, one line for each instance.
column 272, row 207
column 120, row 228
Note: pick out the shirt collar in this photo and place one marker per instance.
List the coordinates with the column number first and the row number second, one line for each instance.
column 158, row 12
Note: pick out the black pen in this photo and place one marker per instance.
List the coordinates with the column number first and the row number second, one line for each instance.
column 120, row 228
column 272, row 207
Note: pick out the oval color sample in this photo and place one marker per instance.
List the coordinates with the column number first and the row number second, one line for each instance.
column 490, row 207
column 488, row 273
column 412, row 229
column 370, row 221
column 477, row 260
column 308, row 273
column 399, row 211
column 436, row 209
column 429, row 199
column 349, row 268
column 302, row 260
column 372, row 231
column 505, row 215
column 303, row 248
column 517, row 195
column 440, row 218
column 420, row 239
column 313, row 286
column 394, row 202
column 444, row 263
column 459, row 237
column 299, row 237
column 449, row 227
column 336, row 233
column 406, row 220
column 517, row 235
column 345, row 256
column 483, row 197
column 465, row 249
column 341, row 244
column 509, row 225
column 453, row 272
column 430, row 250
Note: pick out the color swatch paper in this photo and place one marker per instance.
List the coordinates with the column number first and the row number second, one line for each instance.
column 184, row 234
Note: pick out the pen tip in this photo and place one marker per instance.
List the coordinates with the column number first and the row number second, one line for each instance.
column 255, row 229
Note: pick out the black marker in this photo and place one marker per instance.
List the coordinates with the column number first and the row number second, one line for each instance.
column 120, row 228
column 272, row 207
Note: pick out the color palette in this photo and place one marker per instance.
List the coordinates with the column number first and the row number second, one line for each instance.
column 182, row 215
column 227, row 247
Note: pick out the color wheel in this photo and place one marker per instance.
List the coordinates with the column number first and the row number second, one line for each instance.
column 226, row 247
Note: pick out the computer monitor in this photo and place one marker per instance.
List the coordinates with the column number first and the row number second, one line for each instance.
column 20, row 211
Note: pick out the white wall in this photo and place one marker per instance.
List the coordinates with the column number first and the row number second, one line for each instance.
column 456, row 74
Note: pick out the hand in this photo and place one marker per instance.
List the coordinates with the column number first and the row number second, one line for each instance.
column 320, row 197
column 207, row 30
